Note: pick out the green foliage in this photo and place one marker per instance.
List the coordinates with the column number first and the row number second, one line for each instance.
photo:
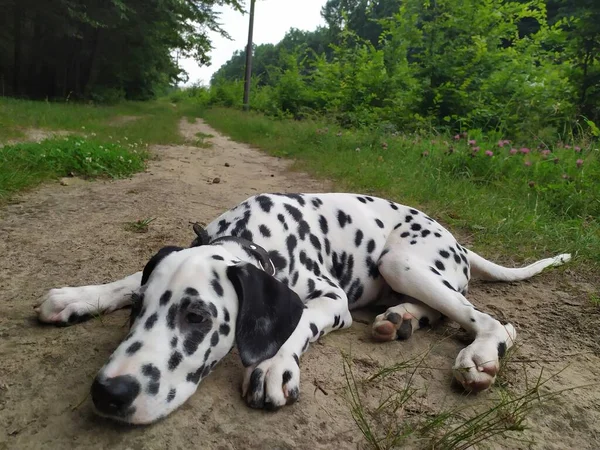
column 28, row 164
column 498, row 200
column 518, row 67
column 105, row 51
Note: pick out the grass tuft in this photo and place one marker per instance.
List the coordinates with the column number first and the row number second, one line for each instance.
column 139, row 226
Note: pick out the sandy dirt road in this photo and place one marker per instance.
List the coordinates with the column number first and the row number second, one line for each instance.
column 71, row 235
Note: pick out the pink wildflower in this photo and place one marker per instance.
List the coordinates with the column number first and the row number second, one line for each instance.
column 475, row 149
column 524, row 150
column 577, row 149
column 464, row 133
column 472, row 142
column 489, row 153
column 579, row 162
column 513, row 151
column 567, row 146
column 457, row 137
column 501, row 143
column 527, row 163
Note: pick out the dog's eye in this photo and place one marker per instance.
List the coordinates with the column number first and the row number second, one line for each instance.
column 193, row 317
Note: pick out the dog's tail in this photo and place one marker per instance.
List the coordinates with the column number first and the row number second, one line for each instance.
column 487, row 270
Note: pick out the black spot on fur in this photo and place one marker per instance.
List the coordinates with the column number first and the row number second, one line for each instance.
column 438, row 235
column 336, row 321
column 314, row 240
column 439, row 265
column 217, row 287
column 466, row 272
column 405, row 234
column 214, row 339
column 223, row 225
column 317, row 202
column 323, row 224
column 287, row 376
column 343, row 218
column 413, row 242
column 226, row 314
column 501, row 349
column 194, row 377
column 415, row 227
column 444, row 254
column 362, row 200
column 171, row 316
column 315, row 294
column 171, row 395
column 358, row 238
column 291, row 243
column 166, row 297
column 457, row 259
column 327, row 246
column 414, row 212
column 213, row 309
column 398, row 226
column 332, row 295
column 281, row 218
column 153, row 388
column 296, row 359
column 434, row 271
column 264, row 230
column 311, row 285
column 295, row 278
column 297, row 197
column 133, row 348
column 224, row 329
column 151, row 371
column 372, row 266
column 265, row 203
column 371, row 246
column 369, row 199
column 294, row 212
column 314, row 329
column 190, row 291
column 473, row 319
column 174, row 341
column 218, row 258
column 394, row 206
column 408, row 219
column 278, row 261
column 150, row 321
column 449, row 286
column 192, row 341
column 303, row 229
column 305, row 345
column 384, row 252
column 379, row 223
column 174, row 360
column 425, row 233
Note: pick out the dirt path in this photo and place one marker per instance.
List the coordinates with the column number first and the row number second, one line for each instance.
column 75, row 234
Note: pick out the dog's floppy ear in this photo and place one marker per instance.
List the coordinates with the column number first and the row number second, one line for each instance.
column 268, row 313
column 158, row 257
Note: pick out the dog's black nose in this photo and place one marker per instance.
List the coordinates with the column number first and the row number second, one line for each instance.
column 114, row 395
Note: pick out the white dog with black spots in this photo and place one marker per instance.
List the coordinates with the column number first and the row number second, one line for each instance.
column 271, row 276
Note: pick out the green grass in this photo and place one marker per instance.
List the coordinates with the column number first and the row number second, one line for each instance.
column 401, row 419
column 149, row 122
column 495, row 209
column 139, row 226
column 104, row 140
column 26, row 165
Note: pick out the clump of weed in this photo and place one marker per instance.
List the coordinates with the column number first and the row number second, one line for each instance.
column 401, row 420
column 202, row 140
column 139, row 226
column 28, row 164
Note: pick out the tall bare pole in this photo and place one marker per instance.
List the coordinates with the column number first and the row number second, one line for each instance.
column 248, row 75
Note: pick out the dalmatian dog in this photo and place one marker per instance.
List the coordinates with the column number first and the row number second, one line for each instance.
column 271, row 276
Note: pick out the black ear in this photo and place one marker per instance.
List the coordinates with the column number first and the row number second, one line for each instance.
column 268, row 313
column 158, row 257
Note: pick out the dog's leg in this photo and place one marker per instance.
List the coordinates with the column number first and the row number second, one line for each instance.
column 400, row 321
column 410, row 273
column 70, row 305
column 276, row 382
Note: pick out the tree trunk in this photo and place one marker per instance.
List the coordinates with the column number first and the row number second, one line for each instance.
column 17, row 28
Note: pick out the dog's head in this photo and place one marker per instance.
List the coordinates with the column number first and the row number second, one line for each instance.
column 195, row 304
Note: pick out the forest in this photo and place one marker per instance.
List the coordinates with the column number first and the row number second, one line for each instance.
column 101, row 50
column 522, row 67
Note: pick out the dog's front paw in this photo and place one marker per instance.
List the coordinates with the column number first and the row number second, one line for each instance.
column 68, row 306
column 272, row 383
column 478, row 364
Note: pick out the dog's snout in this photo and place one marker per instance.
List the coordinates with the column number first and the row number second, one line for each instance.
column 115, row 395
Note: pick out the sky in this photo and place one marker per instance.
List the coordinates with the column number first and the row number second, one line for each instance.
column 273, row 18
